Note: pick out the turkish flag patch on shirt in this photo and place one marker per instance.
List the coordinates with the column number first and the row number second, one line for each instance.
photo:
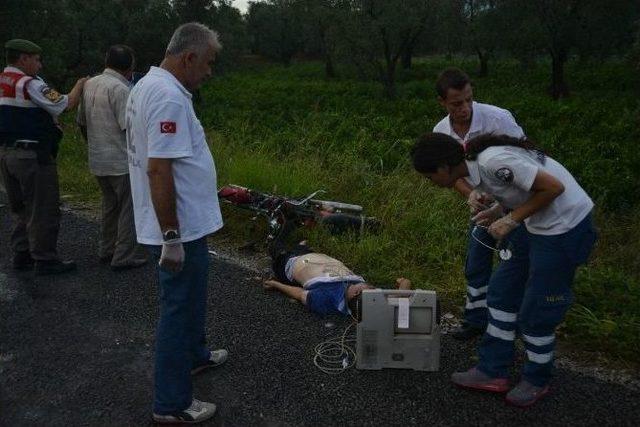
column 167, row 127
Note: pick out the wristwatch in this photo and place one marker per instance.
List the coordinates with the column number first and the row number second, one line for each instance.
column 170, row 235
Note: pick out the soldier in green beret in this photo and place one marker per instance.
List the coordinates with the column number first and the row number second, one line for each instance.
column 24, row 46
column 29, row 137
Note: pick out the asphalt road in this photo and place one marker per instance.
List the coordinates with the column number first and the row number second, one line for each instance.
column 77, row 350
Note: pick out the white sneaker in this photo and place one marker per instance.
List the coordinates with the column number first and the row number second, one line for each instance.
column 196, row 413
column 216, row 358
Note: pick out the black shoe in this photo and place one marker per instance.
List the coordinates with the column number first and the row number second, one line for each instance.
column 55, row 266
column 466, row 331
column 22, row 261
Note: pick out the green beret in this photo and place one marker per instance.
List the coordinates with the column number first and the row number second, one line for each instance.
column 24, row 46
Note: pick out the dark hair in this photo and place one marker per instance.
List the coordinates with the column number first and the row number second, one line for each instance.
column 281, row 257
column 355, row 305
column 478, row 144
column 433, row 150
column 119, row 57
column 451, row 78
column 12, row 56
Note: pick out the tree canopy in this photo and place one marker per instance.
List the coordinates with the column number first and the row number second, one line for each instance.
column 374, row 37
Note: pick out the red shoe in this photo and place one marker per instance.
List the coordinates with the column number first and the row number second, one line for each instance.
column 526, row 394
column 476, row 380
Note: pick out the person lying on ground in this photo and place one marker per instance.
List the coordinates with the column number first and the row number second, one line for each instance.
column 322, row 283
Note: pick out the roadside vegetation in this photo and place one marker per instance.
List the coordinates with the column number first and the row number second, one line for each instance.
column 289, row 130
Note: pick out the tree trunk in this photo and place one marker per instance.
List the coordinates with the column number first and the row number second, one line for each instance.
column 389, row 88
column 559, row 88
column 389, row 80
column 407, row 56
column 285, row 58
column 483, row 71
column 329, row 69
column 527, row 61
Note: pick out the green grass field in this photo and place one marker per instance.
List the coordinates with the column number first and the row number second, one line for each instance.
column 291, row 131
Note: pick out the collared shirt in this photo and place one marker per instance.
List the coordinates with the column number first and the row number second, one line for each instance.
column 40, row 93
column 102, row 111
column 484, row 119
column 161, row 123
column 508, row 174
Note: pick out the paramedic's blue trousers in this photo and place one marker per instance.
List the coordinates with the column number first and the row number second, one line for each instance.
column 531, row 295
column 477, row 270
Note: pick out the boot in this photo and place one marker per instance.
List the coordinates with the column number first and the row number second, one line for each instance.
column 54, row 266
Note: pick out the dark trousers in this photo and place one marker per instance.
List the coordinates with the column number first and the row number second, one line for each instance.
column 530, row 295
column 117, row 229
column 34, row 200
column 180, row 335
column 479, row 267
column 477, row 270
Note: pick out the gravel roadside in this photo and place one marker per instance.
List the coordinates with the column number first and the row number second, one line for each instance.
column 78, row 350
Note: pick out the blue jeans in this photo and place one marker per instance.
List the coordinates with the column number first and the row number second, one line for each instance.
column 180, row 334
column 531, row 295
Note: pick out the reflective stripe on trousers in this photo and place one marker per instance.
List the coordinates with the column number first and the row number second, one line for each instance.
column 477, row 271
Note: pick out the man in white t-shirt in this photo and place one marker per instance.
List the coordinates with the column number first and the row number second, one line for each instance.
column 467, row 119
column 173, row 184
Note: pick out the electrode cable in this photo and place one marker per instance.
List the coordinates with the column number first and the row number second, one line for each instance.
column 335, row 355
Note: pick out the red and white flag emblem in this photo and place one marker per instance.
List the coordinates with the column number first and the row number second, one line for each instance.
column 167, row 127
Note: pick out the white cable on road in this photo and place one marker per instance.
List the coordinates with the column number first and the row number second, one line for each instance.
column 335, row 355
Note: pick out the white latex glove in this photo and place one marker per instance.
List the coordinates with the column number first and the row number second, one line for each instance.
column 503, row 226
column 479, row 201
column 172, row 256
column 488, row 216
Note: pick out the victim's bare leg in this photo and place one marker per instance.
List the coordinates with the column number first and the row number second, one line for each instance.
column 403, row 284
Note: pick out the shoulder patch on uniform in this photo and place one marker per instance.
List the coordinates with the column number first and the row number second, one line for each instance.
column 505, row 175
column 168, row 127
column 51, row 94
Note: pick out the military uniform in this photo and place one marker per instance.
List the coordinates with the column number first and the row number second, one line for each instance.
column 29, row 138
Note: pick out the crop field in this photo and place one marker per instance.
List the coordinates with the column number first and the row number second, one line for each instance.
column 291, row 131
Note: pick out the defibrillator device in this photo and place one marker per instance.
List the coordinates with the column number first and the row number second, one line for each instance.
column 398, row 329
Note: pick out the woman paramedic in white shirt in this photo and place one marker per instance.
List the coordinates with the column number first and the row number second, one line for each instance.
column 517, row 183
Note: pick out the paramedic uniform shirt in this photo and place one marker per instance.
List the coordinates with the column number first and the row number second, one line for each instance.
column 485, row 119
column 161, row 123
column 508, row 173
